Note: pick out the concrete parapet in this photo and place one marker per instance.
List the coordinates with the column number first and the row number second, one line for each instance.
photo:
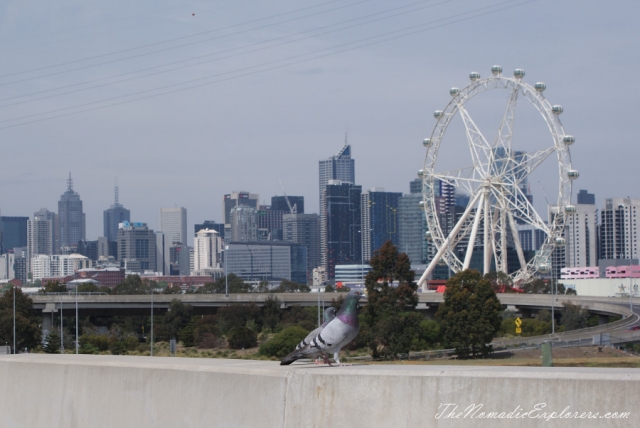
column 118, row 391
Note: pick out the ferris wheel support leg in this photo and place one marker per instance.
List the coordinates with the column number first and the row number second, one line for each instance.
column 503, row 242
column 445, row 245
column 474, row 232
column 487, row 234
column 516, row 241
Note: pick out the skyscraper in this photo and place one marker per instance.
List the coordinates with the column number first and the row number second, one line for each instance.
column 173, row 223
column 282, row 203
column 236, row 199
column 113, row 216
column 304, row 229
column 71, row 219
column 341, row 241
column 40, row 237
column 13, row 233
column 207, row 247
column 244, row 224
column 339, row 167
column 619, row 229
column 137, row 247
column 379, row 220
column 412, row 225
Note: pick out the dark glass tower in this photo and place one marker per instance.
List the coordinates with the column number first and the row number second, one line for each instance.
column 71, row 219
column 113, row 216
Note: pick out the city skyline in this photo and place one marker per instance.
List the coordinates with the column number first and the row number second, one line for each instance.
column 274, row 125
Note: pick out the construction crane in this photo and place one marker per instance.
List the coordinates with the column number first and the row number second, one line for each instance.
column 292, row 209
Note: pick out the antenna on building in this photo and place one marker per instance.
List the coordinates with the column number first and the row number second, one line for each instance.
column 116, row 192
column 70, row 182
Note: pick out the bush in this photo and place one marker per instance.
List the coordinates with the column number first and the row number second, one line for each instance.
column 283, row 343
column 118, row 348
column 241, row 338
column 97, row 341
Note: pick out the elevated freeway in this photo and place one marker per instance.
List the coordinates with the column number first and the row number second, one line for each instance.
column 526, row 304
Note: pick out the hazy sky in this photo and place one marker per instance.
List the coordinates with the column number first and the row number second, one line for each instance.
column 184, row 101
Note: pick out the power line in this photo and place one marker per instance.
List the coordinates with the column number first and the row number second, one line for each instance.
column 415, row 7
column 476, row 13
column 170, row 41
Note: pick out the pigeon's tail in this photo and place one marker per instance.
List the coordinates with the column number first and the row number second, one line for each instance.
column 290, row 358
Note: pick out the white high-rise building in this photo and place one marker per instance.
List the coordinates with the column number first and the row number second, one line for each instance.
column 581, row 236
column 58, row 265
column 40, row 266
column 40, row 236
column 244, row 224
column 207, row 246
column 619, row 228
column 7, row 263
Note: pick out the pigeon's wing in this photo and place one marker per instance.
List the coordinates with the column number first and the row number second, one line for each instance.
column 309, row 337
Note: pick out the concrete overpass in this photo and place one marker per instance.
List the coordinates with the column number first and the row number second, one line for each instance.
column 63, row 391
column 527, row 304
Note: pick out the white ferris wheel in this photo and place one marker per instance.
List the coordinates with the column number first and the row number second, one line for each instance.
column 493, row 179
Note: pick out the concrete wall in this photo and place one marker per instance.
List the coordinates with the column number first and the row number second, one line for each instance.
column 113, row 391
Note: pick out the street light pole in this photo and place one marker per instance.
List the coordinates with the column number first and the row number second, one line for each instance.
column 61, row 328
column 151, row 288
column 77, row 338
column 226, row 279
column 14, row 319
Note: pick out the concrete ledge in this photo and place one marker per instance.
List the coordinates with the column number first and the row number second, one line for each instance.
column 112, row 391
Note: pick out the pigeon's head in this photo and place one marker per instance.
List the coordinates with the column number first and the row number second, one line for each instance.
column 355, row 294
column 329, row 313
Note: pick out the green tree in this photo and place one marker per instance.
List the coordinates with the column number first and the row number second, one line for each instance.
column 389, row 323
column 52, row 342
column 470, row 314
column 573, row 316
column 54, row 287
column 133, row 284
column 88, row 287
column 283, row 343
column 287, row 286
column 27, row 329
column 177, row 317
column 242, row 337
column 235, row 283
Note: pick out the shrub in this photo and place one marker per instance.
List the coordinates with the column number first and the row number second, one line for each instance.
column 283, row 343
column 242, row 337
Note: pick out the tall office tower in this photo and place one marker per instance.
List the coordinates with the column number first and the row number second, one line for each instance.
column 237, row 199
column 173, row 223
column 160, row 246
column 7, row 263
column 304, row 229
column 210, row 224
column 379, row 220
column 137, row 246
column 271, row 261
column 270, row 223
column 207, row 247
column 244, row 224
column 290, row 204
column 339, row 167
column 412, row 225
column 340, row 241
column 13, row 233
column 619, row 229
column 71, row 219
column 113, row 216
column 581, row 236
column 587, row 198
column 40, row 236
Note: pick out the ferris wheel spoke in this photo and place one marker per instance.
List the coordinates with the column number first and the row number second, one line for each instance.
column 505, row 134
column 470, row 184
column 480, row 149
column 516, row 241
column 522, row 208
column 474, row 232
column 533, row 160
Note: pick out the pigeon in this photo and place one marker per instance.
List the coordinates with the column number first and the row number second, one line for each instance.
column 335, row 335
column 329, row 314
